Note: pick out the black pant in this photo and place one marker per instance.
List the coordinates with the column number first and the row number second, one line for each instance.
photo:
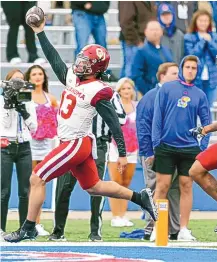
column 20, row 154
column 66, row 184
column 15, row 12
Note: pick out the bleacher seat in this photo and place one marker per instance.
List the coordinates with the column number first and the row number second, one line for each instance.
column 60, row 35
column 63, row 37
column 66, row 52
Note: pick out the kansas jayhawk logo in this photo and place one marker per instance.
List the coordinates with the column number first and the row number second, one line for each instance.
column 183, row 101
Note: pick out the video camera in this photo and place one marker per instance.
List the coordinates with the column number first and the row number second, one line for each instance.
column 16, row 91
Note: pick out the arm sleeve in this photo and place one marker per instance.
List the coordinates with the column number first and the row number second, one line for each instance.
column 212, row 46
column 194, row 49
column 144, row 126
column 31, row 122
column 104, row 94
column 6, row 118
column 57, row 64
column 157, row 123
column 117, row 104
column 108, row 114
column 205, row 119
column 5, row 114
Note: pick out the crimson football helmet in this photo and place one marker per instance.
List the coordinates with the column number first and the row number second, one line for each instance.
column 92, row 59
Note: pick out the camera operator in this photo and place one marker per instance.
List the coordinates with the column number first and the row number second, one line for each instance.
column 17, row 119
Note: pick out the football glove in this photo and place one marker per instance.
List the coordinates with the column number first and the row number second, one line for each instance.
column 197, row 132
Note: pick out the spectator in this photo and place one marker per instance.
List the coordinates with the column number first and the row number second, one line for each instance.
column 200, row 41
column 149, row 57
column 176, row 103
column 66, row 183
column 144, row 116
column 88, row 18
column 205, row 162
column 15, row 12
column 16, row 124
column 46, row 106
column 173, row 38
column 133, row 17
column 214, row 11
column 184, row 11
column 125, row 88
column 57, row 4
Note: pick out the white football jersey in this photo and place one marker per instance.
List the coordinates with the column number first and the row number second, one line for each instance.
column 77, row 106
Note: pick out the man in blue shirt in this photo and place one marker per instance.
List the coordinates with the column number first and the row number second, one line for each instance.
column 145, row 111
column 177, row 106
column 148, row 58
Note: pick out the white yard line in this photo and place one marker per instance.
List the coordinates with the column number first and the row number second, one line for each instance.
column 13, row 215
column 200, row 245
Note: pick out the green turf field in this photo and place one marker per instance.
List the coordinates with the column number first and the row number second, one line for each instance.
column 78, row 230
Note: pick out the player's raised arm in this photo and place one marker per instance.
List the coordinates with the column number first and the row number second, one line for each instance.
column 57, row 64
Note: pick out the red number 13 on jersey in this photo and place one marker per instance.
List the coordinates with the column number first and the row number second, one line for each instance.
column 67, row 105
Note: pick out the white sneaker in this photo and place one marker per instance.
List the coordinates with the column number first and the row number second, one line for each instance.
column 39, row 61
column 41, row 231
column 117, row 222
column 185, row 235
column 153, row 235
column 2, row 234
column 15, row 61
column 127, row 222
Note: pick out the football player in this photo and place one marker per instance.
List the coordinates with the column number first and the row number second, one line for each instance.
column 205, row 162
column 84, row 95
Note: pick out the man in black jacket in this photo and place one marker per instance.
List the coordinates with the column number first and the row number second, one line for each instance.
column 88, row 18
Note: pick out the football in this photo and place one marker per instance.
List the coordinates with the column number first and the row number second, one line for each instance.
column 34, row 16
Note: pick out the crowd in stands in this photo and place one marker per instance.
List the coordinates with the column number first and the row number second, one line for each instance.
column 181, row 28
column 155, row 38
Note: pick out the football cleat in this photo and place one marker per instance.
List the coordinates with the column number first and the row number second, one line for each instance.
column 148, row 203
column 20, row 235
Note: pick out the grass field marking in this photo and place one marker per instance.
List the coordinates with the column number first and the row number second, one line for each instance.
column 201, row 245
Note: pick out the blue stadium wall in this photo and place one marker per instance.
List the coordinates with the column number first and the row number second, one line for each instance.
column 201, row 202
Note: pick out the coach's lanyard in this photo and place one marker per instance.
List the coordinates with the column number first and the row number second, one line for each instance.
column 19, row 135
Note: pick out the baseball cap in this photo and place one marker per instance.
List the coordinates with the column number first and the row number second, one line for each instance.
column 165, row 8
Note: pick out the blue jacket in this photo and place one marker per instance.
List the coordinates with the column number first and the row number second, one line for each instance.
column 173, row 38
column 144, row 117
column 172, row 27
column 206, row 51
column 146, row 63
column 177, row 106
column 214, row 12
